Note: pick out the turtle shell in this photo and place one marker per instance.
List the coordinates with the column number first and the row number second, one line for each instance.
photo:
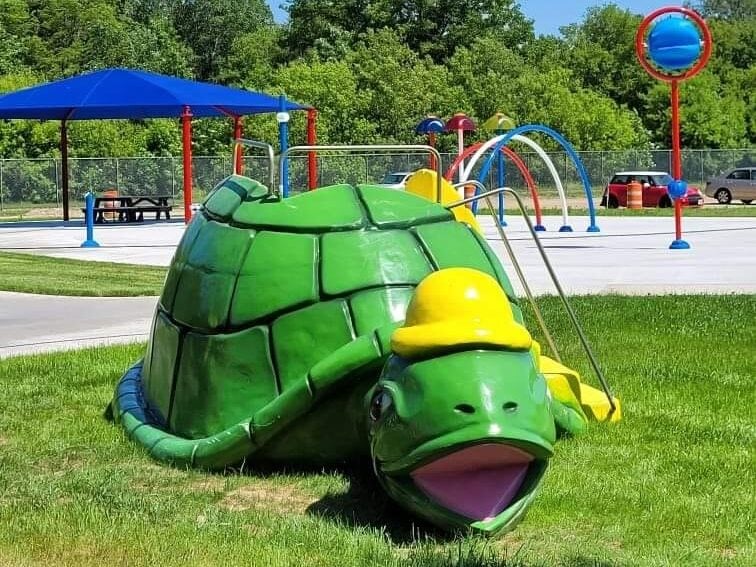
column 261, row 290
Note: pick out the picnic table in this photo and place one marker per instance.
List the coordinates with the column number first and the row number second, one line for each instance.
column 131, row 208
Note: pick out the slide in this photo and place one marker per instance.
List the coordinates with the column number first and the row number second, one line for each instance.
column 423, row 184
column 565, row 386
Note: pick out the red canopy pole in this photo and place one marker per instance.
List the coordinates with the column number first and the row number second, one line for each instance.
column 239, row 155
column 186, row 130
column 64, row 164
column 312, row 159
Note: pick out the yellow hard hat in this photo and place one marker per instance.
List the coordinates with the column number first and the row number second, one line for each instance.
column 456, row 307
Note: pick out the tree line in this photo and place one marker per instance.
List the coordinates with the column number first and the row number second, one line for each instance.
column 374, row 68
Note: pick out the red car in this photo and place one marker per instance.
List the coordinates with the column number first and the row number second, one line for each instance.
column 654, row 190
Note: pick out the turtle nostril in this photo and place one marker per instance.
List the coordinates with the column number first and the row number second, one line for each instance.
column 464, row 408
column 510, row 406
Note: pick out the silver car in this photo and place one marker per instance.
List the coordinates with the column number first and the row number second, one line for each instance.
column 395, row 180
column 738, row 183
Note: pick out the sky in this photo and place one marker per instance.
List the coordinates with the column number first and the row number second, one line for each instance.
column 547, row 15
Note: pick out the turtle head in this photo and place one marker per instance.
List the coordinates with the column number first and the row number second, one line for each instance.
column 460, row 423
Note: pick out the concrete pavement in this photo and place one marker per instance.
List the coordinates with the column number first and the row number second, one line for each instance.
column 629, row 256
column 38, row 323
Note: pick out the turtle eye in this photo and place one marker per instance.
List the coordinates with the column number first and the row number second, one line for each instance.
column 379, row 404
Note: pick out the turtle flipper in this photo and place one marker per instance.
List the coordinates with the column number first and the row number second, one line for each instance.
column 234, row 444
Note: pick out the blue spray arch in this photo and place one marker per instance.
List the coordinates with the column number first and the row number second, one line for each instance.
column 593, row 227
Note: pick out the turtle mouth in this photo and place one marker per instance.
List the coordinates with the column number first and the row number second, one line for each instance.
column 478, row 482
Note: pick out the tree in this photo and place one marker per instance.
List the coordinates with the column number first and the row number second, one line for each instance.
column 252, row 59
column 589, row 120
column 400, row 88
column 210, row 27
column 708, row 119
column 485, row 71
column 601, row 54
column 15, row 27
column 331, row 87
column 428, row 27
column 725, row 9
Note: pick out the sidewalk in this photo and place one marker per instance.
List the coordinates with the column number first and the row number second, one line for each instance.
column 629, row 256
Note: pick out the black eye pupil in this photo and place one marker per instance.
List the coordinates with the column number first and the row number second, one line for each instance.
column 381, row 401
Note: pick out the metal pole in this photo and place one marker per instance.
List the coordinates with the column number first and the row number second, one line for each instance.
column 271, row 157
column 283, row 140
column 64, row 164
column 1, row 185
column 678, row 243
column 500, row 175
column 238, row 155
column 90, row 242
column 432, row 144
column 518, row 269
column 173, row 179
column 312, row 157
column 555, row 280
column 118, row 184
column 416, row 148
column 186, row 126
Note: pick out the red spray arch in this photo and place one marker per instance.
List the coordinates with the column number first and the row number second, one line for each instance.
column 516, row 159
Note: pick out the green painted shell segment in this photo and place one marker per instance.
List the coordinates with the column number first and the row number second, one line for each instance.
column 179, row 261
column 203, row 295
column 279, row 272
column 307, row 336
column 359, row 259
column 374, row 308
column 324, row 210
column 451, row 245
column 226, row 197
column 397, row 209
column 160, row 367
column 204, row 404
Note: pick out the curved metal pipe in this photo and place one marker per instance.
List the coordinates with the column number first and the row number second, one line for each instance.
column 414, row 148
column 260, row 145
column 518, row 270
column 568, row 307
column 519, row 163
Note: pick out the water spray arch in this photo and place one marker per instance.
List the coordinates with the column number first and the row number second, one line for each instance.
column 519, row 131
column 518, row 162
column 467, row 171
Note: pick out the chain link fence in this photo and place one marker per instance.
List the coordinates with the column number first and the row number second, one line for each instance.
column 31, row 188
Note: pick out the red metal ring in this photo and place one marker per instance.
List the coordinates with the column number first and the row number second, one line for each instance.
column 641, row 35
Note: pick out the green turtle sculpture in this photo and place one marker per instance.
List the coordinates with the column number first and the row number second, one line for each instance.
column 348, row 323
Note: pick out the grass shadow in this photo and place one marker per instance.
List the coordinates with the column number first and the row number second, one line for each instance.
column 364, row 505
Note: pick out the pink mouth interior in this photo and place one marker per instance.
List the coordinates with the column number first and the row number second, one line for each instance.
column 477, row 482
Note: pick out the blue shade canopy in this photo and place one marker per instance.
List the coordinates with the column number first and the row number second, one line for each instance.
column 128, row 93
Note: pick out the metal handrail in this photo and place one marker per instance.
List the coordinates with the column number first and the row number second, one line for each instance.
column 260, row 145
column 575, row 323
column 520, row 274
column 413, row 148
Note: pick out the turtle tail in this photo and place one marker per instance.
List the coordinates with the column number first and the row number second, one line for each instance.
column 215, row 452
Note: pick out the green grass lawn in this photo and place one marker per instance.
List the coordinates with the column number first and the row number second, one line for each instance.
column 31, row 273
column 672, row 484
